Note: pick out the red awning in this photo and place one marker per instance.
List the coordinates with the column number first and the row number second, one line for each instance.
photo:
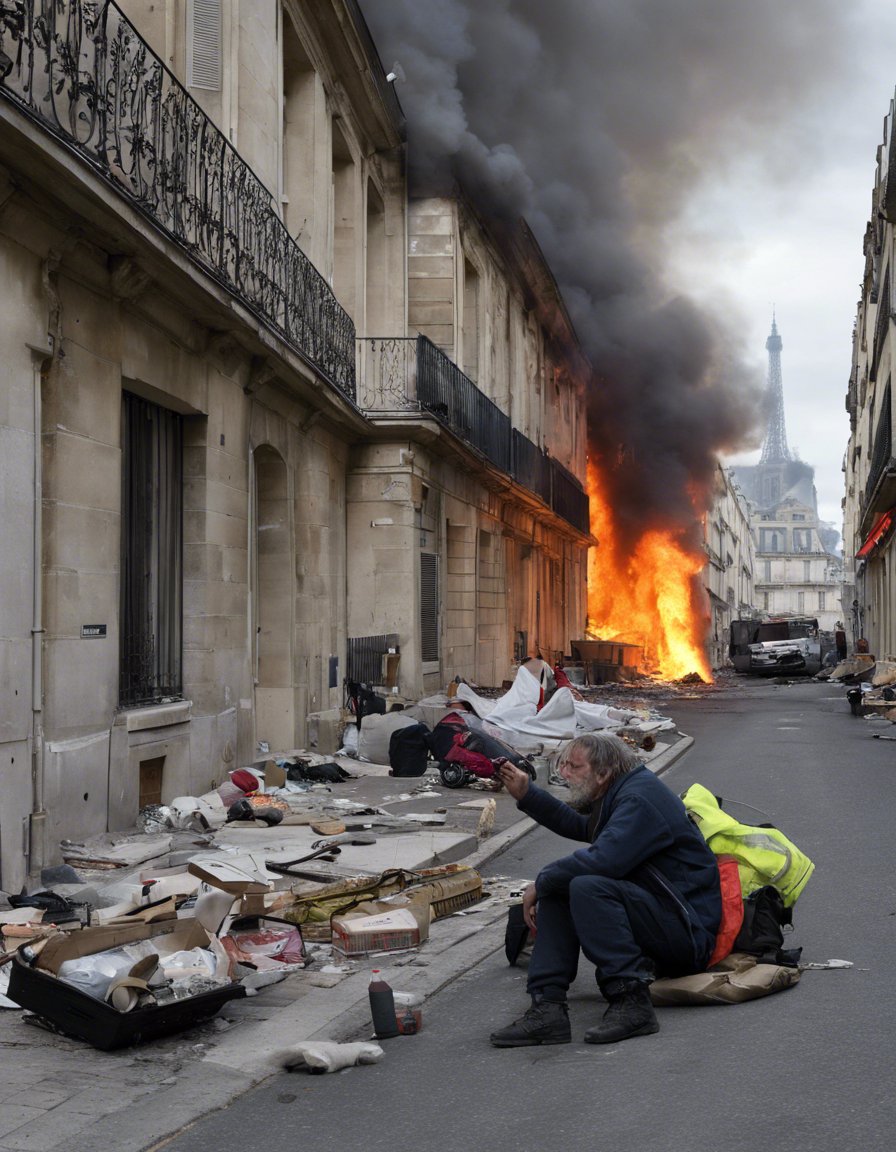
column 880, row 530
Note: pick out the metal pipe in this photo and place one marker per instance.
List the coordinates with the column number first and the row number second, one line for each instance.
column 36, row 846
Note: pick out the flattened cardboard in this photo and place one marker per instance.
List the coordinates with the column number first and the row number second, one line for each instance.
column 220, row 874
column 73, row 945
column 164, row 909
column 274, row 775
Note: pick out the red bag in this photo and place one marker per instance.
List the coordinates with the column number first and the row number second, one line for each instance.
column 732, row 909
column 475, row 762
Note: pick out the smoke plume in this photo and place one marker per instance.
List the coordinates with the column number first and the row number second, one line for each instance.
column 596, row 121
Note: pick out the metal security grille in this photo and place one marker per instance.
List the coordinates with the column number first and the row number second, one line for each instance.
column 429, row 607
column 365, row 656
column 151, row 552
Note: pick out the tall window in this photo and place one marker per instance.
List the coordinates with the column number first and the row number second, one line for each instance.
column 470, row 333
column 429, row 607
column 821, row 601
column 151, row 552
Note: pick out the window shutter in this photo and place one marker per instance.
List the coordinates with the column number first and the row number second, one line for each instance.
column 204, row 44
column 429, row 606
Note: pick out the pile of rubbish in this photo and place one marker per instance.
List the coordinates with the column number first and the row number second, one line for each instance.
column 189, row 938
column 212, row 897
column 874, row 698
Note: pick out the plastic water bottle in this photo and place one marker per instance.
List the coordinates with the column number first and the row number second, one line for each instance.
column 382, row 1006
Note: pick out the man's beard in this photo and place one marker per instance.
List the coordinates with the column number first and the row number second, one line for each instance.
column 582, row 797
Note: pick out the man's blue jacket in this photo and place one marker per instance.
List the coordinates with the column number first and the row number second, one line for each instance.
column 639, row 831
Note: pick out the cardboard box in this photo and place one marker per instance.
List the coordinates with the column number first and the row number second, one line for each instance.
column 390, row 925
column 37, row 988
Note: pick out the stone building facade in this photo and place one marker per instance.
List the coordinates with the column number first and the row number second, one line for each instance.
column 221, row 497
column 869, row 505
column 728, row 574
column 797, row 571
column 796, row 574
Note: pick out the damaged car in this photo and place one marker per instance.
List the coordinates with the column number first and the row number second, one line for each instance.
column 777, row 647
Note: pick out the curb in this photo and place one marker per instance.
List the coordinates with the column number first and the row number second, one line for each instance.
column 251, row 1052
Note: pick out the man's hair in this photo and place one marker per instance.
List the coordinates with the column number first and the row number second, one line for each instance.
column 605, row 753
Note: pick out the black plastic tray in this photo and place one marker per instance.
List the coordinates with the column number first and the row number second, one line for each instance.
column 86, row 1018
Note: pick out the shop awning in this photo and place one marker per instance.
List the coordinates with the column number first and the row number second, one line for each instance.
column 878, row 533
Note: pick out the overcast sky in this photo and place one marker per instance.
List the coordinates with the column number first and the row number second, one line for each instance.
column 785, row 230
column 669, row 153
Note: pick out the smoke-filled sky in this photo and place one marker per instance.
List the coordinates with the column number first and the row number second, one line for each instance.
column 685, row 165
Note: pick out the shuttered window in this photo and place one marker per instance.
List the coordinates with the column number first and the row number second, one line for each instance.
column 151, row 552
column 429, row 607
column 204, row 44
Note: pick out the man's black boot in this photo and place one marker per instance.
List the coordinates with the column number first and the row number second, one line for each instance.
column 546, row 1022
column 629, row 1013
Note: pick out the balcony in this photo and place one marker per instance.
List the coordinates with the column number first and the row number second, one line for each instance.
column 80, row 70
column 406, row 376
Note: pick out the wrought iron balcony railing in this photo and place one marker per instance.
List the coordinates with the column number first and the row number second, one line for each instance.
column 567, row 497
column 455, row 401
column 399, row 375
column 79, row 69
column 530, row 466
column 387, row 376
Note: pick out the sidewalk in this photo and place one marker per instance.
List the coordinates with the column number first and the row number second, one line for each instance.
column 57, row 1092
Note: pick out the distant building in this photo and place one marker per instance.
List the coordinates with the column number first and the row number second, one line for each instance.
column 869, row 505
column 729, row 571
column 797, row 572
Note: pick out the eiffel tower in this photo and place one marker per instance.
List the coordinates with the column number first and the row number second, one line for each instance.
column 774, row 448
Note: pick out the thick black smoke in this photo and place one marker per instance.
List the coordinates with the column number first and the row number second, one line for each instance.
column 595, row 120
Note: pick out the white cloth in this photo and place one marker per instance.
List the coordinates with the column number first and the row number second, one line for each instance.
column 562, row 717
column 328, row 1056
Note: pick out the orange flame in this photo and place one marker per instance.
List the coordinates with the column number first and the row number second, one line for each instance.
column 649, row 596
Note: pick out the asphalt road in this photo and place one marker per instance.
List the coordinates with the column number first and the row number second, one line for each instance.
column 807, row 1070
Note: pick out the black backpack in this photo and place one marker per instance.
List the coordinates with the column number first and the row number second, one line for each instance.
column 409, row 749
column 762, row 932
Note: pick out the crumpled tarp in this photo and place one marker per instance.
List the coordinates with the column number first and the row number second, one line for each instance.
column 561, row 718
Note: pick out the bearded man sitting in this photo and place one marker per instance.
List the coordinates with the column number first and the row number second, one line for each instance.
column 641, row 900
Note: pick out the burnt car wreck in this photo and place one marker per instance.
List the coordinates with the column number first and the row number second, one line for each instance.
column 777, row 647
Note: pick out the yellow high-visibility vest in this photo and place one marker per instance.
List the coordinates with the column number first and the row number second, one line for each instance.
column 764, row 855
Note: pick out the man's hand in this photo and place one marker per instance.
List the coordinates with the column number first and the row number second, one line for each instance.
column 514, row 779
column 530, row 906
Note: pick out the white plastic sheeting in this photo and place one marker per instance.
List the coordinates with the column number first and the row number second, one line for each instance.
column 561, row 718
